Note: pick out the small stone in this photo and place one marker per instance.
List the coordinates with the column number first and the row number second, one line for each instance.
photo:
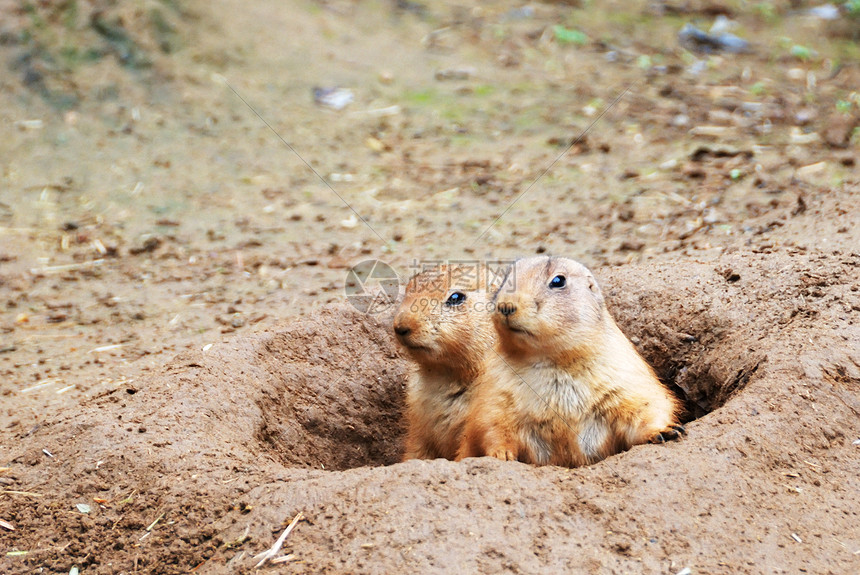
column 680, row 120
column 455, row 74
column 149, row 245
column 731, row 275
column 798, row 137
column 839, row 128
column 334, row 98
column 796, row 74
column 805, row 116
column 710, row 131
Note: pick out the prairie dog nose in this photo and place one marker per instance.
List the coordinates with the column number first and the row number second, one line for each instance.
column 402, row 330
column 404, row 324
column 506, row 308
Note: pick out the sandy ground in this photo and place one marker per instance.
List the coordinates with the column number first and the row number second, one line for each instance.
column 176, row 353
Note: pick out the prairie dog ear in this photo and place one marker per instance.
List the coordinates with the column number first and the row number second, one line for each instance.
column 594, row 288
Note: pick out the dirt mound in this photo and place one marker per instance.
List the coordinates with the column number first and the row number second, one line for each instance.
column 334, row 392
column 201, row 466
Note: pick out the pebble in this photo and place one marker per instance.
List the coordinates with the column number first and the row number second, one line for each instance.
column 824, row 12
column 796, row 74
column 722, row 25
column 523, row 13
column 709, row 131
column 805, row 116
column 839, row 128
column 711, row 216
column 680, row 120
column 455, row 74
column 30, row 124
column 334, row 98
column 720, row 117
column 692, row 38
column 752, row 107
column 798, row 137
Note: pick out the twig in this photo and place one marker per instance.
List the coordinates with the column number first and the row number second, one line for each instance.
column 271, row 552
column 151, row 525
column 41, row 384
column 106, row 348
column 27, row 493
column 66, row 267
column 130, row 497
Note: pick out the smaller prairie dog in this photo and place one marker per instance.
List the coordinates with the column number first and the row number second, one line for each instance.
column 564, row 386
column 444, row 325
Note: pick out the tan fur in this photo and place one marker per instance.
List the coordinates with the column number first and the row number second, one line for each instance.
column 448, row 345
column 563, row 386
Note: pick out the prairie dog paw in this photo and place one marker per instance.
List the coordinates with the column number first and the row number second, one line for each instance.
column 673, row 431
column 503, row 454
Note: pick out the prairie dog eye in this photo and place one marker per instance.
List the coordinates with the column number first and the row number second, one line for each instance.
column 455, row 299
column 557, row 282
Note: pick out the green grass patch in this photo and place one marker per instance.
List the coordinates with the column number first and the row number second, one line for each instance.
column 758, row 89
column 484, row 90
column 421, row 97
column 802, row 53
column 569, row 36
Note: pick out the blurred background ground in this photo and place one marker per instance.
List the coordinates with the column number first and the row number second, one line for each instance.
column 145, row 209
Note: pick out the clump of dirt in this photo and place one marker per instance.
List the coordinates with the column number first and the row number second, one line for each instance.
column 200, row 466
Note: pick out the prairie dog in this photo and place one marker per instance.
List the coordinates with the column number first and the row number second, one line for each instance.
column 564, row 386
column 444, row 325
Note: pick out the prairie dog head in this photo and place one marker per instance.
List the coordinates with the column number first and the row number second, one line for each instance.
column 444, row 320
column 549, row 308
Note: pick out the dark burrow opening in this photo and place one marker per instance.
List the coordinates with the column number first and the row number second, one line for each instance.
column 338, row 408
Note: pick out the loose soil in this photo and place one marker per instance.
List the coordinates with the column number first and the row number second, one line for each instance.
column 182, row 374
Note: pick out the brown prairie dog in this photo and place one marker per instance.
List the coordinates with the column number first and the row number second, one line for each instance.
column 444, row 325
column 565, row 386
